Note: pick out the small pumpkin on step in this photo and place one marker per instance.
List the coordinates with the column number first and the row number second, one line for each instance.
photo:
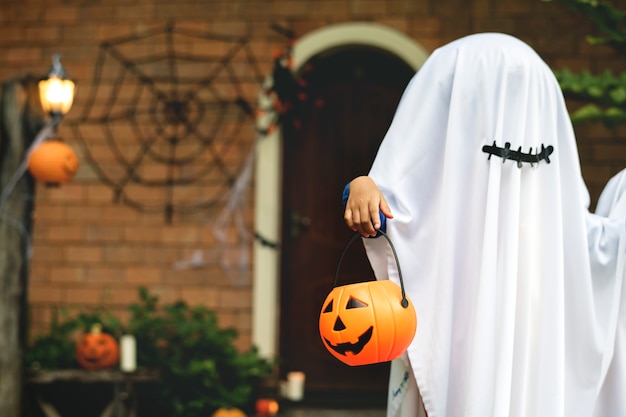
column 228, row 412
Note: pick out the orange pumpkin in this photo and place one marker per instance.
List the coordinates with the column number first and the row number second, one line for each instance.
column 53, row 162
column 228, row 412
column 367, row 322
column 97, row 350
column 266, row 407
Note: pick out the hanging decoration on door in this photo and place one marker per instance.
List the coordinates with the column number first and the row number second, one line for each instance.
column 169, row 119
column 284, row 92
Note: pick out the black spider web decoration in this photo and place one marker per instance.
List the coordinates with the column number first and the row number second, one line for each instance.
column 168, row 118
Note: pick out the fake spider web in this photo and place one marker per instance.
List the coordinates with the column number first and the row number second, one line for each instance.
column 168, row 123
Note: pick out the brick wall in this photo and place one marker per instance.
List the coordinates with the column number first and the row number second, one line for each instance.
column 92, row 252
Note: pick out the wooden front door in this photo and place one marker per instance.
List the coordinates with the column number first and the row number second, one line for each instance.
column 360, row 89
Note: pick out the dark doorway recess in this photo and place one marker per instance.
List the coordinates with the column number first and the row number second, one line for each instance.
column 359, row 88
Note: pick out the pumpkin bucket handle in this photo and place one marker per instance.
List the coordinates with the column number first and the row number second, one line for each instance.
column 404, row 302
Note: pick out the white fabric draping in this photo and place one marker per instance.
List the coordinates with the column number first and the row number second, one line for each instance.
column 612, row 400
column 516, row 284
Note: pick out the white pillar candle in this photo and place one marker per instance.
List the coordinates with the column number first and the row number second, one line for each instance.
column 295, row 386
column 128, row 353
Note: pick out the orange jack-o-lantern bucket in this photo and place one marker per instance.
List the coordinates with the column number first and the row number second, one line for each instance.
column 367, row 322
column 53, row 162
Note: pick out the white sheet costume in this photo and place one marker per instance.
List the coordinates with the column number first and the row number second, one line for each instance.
column 516, row 285
column 612, row 401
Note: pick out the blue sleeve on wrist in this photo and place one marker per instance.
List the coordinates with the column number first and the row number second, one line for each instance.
column 383, row 219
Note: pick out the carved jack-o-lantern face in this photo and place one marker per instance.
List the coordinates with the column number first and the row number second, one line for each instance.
column 97, row 350
column 53, row 162
column 365, row 323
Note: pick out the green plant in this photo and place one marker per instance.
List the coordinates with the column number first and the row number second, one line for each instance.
column 57, row 348
column 604, row 95
column 200, row 368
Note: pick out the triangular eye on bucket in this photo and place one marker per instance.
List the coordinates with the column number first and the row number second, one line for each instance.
column 519, row 156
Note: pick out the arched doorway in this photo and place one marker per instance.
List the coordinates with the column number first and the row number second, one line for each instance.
column 269, row 214
column 359, row 88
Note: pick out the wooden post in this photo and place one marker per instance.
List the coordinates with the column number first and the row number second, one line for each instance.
column 20, row 119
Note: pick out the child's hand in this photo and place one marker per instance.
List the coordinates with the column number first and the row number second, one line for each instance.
column 362, row 208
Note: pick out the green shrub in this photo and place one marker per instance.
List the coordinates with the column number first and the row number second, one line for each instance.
column 200, row 368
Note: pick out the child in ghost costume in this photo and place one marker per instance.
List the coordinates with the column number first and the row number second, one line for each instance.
column 516, row 285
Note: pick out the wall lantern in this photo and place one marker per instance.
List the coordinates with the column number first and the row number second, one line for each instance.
column 51, row 161
column 56, row 91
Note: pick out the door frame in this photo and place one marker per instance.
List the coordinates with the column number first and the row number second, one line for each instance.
column 268, row 165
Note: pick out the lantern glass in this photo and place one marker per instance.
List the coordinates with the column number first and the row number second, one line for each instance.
column 56, row 94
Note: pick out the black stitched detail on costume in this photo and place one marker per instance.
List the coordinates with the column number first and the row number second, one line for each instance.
column 519, row 156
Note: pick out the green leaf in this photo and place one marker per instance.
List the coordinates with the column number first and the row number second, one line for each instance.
column 618, row 94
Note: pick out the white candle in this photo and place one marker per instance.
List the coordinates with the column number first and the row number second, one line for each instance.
column 128, row 353
column 295, row 386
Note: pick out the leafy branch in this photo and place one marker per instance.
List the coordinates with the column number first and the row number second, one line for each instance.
column 605, row 94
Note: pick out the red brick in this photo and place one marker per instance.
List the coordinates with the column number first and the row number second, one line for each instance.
column 84, row 254
column 39, row 274
column 78, row 33
column 42, row 315
column 244, row 320
column 134, row 12
column 167, row 294
column 66, row 193
column 45, row 294
column 163, row 257
column 226, row 319
column 424, row 26
column 230, row 27
column 64, row 14
column 200, row 26
column 113, row 31
column 512, row 7
column 398, row 23
column 46, row 253
column 119, row 213
column 120, row 295
column 179, row 234
column 140, row 275
column 371, row 8
column 28, row 13
column 103, row 233
column 234, row 298
column 96, row 13
column 22, row 55
column 208, row 297
column 64, row 233
column 11, row 35
column 104, row 274
column 183, row 11
column 83, row 214
column 91, row 296
column 189, row 277
column 45, row 213
column 67, row 274
column 123, row 254
column 610, row 153
column 7, row 15
column 243, row 342
column 141, row 234
column 50, row 34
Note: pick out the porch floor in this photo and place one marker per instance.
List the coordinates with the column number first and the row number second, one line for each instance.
column 329, row 412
